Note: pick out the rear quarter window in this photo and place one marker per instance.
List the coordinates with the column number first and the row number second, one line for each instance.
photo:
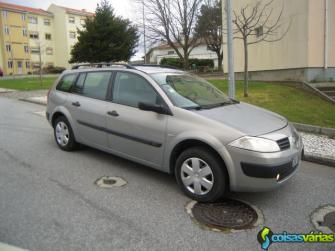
column 66, row 82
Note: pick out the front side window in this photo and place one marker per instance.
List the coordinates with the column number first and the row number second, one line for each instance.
column 188, row 91
column 96, row 85
column 130, row 89
column 66, row 82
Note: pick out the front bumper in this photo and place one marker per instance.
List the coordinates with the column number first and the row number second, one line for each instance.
column 255, row 171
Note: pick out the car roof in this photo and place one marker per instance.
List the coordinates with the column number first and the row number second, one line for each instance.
column 141, row 68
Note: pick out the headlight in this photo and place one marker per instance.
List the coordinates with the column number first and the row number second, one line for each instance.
column 256, row 144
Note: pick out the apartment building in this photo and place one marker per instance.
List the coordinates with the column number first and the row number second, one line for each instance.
column 306, row 53
column 31, row 37
column 66, row 23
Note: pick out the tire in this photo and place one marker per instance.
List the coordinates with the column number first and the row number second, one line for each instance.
column 64, row 135
column 216, row 174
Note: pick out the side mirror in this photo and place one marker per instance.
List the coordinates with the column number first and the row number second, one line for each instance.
column 153, row 108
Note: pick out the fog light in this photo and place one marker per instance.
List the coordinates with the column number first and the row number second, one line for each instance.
column 278, row 177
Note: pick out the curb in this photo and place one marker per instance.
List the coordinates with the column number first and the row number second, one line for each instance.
column 315, row 129
column 319, row 160
column 33, row 101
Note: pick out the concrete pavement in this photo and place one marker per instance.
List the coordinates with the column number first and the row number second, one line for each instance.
column 48, row 199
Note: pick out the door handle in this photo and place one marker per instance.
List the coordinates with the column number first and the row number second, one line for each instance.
column 77, row 104
column 113, row 113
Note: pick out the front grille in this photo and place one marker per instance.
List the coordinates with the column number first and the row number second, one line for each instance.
column 283, row 144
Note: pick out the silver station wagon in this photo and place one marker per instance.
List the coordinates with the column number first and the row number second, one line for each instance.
column 175, row 122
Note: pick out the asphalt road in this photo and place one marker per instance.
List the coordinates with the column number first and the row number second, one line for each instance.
column 48, row 199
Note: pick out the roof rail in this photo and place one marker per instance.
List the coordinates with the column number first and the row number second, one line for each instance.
column 101, row 65
column 156, row 65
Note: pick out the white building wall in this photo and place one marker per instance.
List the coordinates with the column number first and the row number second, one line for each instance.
column 200, row 52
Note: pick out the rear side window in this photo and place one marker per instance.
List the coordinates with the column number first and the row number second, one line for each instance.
column 66, row 82
column 96, row 85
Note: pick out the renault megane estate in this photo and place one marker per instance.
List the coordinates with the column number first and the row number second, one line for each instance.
column 175, row 122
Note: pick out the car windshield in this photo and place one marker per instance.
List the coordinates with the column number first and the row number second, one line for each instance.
column 190, row 92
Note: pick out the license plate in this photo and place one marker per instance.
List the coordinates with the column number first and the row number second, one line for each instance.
column 295, row 161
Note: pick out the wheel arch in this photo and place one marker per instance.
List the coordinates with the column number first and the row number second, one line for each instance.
column 188, row 143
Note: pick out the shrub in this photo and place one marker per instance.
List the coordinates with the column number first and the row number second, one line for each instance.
column 53, row 69
column 177, row 62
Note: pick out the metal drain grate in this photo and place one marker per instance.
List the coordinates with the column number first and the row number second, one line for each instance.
column 109, row 182
column 227, row 214
column 323, row 219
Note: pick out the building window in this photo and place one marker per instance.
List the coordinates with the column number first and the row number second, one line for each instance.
column 24, row 32
column 82, row 21
column 23, row 17
column 33, row 20
column 26, row 48
column 8, row 47
column 72, row 34
column 5, row 14
column 34, row 50
column 33, row 35
column 170, row 52
column 47, row 21
column 259, row 31
column 6, row 30
column 47, row 36
column 27, row 65
column 71, row 20
column 10, row 64
column 49, row 51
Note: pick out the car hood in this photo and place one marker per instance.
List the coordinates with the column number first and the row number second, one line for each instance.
column 248, row 119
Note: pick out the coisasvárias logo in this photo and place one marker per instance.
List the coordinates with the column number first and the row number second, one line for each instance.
column 266, row 237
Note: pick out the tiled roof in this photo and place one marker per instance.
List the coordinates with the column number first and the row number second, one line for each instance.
column 78, row 12
column 24, row 9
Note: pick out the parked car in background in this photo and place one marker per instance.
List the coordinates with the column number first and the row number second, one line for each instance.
column 1, row 73
column 177, row 123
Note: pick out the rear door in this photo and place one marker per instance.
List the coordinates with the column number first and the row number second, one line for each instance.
column 88, row 107
column 132, row 132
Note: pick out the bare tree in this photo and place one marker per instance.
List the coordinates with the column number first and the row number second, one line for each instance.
column 255, row 24
column 209, row 27
column 173, row 22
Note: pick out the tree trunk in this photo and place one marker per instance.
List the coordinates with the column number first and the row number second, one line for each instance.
column 246, row 72
column 186, row 61
column 220, row 59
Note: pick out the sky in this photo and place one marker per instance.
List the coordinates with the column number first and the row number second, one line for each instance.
column 124, row 8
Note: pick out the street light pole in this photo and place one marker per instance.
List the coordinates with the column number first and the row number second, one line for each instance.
column 231, row 74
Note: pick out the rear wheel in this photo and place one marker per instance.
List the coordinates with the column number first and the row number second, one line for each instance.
column 201, row 174
column 64, row 135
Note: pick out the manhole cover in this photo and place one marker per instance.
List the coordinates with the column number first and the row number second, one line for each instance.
column 108, row 182
column 227, row 214
column 323, row 219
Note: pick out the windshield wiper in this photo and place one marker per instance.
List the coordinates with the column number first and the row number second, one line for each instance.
column 217, row 105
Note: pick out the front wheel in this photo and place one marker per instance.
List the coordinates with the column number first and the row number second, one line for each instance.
column 64, row 135
column 201, row 174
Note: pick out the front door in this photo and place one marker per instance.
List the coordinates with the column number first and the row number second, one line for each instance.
column 19, row 67
column 132, row 132
column 88, row 107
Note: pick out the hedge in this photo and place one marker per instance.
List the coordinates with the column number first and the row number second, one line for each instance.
column 177, row 62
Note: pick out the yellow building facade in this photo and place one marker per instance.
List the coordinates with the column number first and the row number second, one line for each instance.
column 31, row 38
